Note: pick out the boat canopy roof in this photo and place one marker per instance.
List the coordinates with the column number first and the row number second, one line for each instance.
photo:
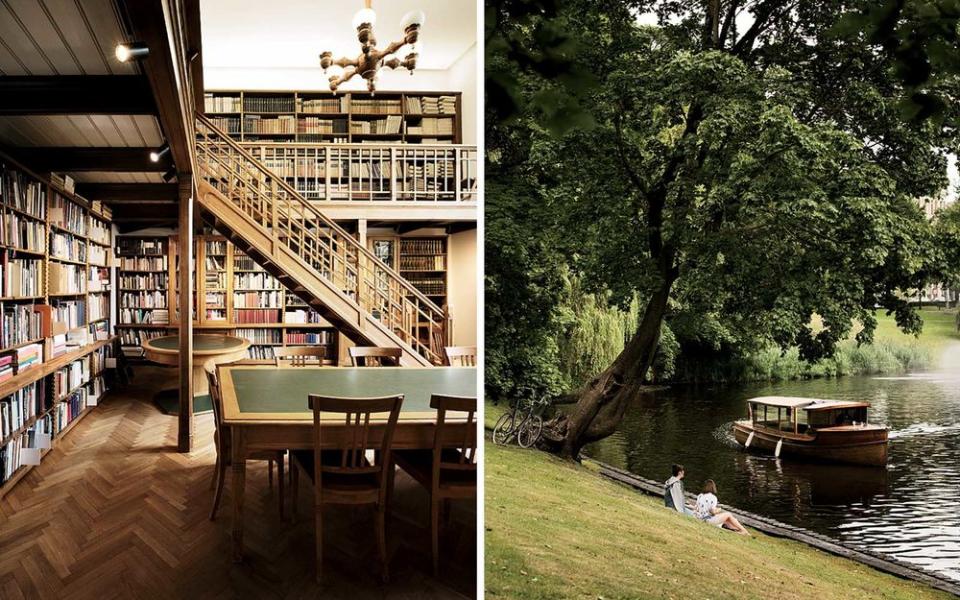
column 808, row 404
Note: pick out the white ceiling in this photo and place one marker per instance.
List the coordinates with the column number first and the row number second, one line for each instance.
column 291, row 34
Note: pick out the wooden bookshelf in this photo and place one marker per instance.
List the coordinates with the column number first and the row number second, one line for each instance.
column 325, row 117
column 422, row 261
column 235, row 296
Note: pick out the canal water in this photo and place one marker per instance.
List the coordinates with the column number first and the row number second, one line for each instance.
column 910, row 510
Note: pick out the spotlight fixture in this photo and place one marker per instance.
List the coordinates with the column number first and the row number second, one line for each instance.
column 371, row 60
column 169, row 175
column 156, row 155
column 126, row 51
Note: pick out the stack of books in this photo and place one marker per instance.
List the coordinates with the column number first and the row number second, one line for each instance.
column 28, row 356
column 6, row 367
column 59, row 345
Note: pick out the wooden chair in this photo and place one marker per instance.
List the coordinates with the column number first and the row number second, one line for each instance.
column 221, row 438
column 449, row 471
column 373, row 356
column 347, row 476
column 301, row 356
column 461, row 356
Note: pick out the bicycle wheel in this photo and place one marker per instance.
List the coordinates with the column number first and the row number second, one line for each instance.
column 503, row 430
column 530, row 431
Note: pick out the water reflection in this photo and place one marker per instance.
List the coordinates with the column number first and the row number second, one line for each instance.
column 909, row 510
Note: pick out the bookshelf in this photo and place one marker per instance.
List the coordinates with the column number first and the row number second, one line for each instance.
column 56, row 310
column 420, row 260
column 325, row 117
column 237, row 296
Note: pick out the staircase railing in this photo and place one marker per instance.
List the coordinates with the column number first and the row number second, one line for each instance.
column 335, row 255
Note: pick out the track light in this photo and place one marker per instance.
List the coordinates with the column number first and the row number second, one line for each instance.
column 170, row 174
column 126, row 51
column 156, row 155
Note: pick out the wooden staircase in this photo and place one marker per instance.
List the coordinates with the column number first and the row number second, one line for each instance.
column 313, row 256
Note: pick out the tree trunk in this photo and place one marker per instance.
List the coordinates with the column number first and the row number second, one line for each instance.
column 603, row 401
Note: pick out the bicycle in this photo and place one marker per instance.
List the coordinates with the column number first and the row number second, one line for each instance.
column 526, row 426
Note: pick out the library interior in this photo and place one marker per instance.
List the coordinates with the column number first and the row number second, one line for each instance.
column 301, row 174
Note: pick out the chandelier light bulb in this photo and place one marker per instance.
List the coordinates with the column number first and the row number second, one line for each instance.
column 364, row 15
column 414, row 17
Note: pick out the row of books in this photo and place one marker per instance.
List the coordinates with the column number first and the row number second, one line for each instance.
column 136, row 337
column 260, row 336
column 430, row 287
column 339, row 104
column 100, row 330
column 431, row 105
column 432, row 126
column 24, row 233
column 215, row 247
column 257, row 316
column 72, row 313
column 68, row 409
column 22, row 277
column 302, row 316
column 23, row 449
column 282, row 124
column 255, row 281
column 227, row 124
column 221, row 104
column 216, row 280
column 96, row 389
column 99, row 280
column 318, row 125
column 423, row 263
column 69, row 378
column 374, row 106
column 143, row 263
column 139, row 316
column 378, row 126
column 67, row 279
column 258, row 299
column 17, row 409
column 268, row 103
column 127, row 246
column 99, row 307
column 146, row 281
column 21, row 323
column 215, row 314
column 310, row 338
column 261, row 352
column 99, row 359
column 68, row 215
column 99, row 232
column 422, row 246
column 97, row 255
column 215, row 263
column 23, row 193
column 67, row 246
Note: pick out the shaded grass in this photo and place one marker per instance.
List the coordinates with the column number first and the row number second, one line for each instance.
column 557, row 530
column 939, row 329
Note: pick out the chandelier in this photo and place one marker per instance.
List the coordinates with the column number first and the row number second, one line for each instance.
column 371, row 60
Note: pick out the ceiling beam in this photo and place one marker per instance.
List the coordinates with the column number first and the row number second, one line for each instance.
column 76, row 94
column 92, row 159
column 162, row 26
column 129, row 193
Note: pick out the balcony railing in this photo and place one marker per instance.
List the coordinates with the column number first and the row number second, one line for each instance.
column 442, row 173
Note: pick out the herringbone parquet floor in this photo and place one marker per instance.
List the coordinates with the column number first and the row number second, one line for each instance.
column 116, row 512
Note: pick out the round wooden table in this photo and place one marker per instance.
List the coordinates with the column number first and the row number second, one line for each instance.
column 206, row 347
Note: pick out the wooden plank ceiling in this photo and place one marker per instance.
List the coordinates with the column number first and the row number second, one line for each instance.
column 68, row 105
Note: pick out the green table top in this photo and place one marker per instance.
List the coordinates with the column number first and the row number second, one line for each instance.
column 202, row 342
column 267, row 390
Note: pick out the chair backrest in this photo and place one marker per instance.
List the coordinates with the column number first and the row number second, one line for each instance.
column 466, row 458
column 213, row 382
column 461, row 356
column 373, row 356
column 301, row 356
column 356, row 414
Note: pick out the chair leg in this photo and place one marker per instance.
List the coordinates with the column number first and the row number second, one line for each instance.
column 435, row 533
column 382, row 542
column 280, row 483
column 216, row 469
column 391, row 478
column 318, row 533
column 294, row 490
column 221, row 481
column 270, row 474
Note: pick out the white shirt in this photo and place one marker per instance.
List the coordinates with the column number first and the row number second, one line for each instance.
column 705, row 505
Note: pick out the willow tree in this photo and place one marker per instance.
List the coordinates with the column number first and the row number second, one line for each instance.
column 754, row 161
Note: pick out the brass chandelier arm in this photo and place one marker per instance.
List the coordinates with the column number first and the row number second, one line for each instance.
column 346, row 62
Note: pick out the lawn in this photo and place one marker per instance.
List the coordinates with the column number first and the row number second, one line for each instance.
column 939, row 328
column 557, row 530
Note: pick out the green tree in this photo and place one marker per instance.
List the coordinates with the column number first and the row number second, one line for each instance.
column 758, row 177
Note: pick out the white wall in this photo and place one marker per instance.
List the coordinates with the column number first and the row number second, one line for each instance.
column 462, row 287
column 463, row 78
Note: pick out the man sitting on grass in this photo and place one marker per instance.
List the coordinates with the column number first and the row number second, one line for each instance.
column 673, row 496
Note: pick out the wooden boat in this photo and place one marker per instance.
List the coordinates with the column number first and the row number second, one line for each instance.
column 814, row 429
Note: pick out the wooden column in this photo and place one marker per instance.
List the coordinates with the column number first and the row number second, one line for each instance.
column 185, row 251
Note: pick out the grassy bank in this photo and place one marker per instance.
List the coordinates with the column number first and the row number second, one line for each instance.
column 556, row 530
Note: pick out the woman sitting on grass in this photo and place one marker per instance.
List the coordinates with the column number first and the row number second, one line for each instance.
column 708, row 510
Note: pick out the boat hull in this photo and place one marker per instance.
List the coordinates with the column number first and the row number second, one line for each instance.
column 848, row 445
